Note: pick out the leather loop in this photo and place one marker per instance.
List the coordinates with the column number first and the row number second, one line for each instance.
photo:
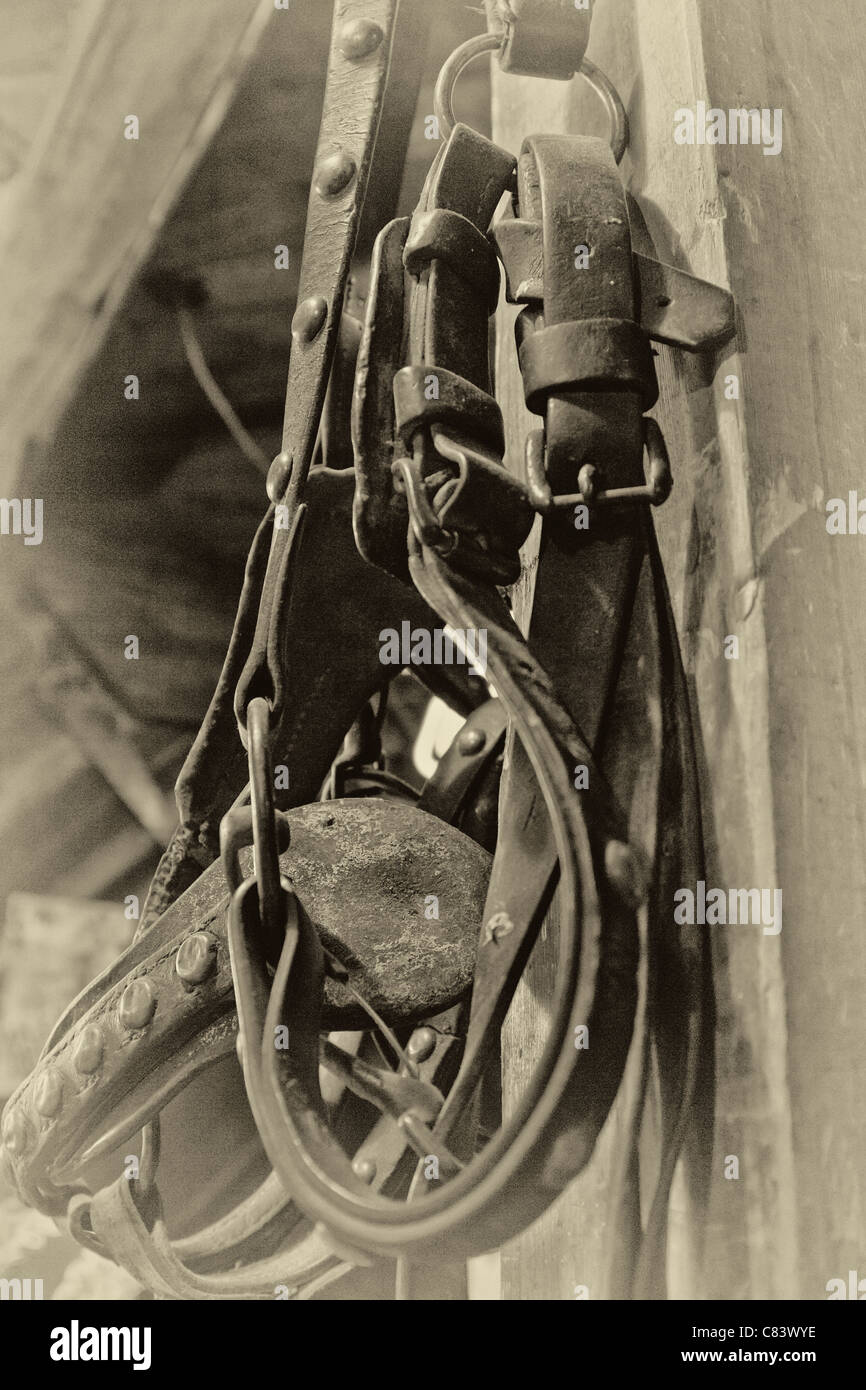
column 139, row 1241
column 570, row 185
column 587, row 355
column 544, row 38
column 426, row 395
column 444, row 235
column 443, row 331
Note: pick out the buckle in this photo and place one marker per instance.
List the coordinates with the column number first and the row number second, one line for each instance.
column 657, row 470
column 465, row 505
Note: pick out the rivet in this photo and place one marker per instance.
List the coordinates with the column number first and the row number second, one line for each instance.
column 16, row 1132
column 624, row 873
column 334, row 173
column 359, row 39
column 421, row 1044
column 196, row 958
column 308, row 318
column 89, row 1049
column 588, row 481
column 137, row 1004
column 471, row 741
column 279, row 474
column 365, row 1169
column 48, row 1094
column 500, row 925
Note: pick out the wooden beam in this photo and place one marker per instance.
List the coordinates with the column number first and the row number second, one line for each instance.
column 748, row 555
column 87, row 203
column 109, row 736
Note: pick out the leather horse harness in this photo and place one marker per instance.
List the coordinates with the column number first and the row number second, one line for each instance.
column 572, row 776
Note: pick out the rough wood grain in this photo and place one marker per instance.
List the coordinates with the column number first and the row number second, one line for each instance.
column 87, row 202
column 748, row 554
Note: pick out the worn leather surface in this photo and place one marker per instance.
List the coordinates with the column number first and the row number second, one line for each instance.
column 350, row 119
column 502, row 1190
column 426, row 340
column 602, row 427
column 543, row 38
column 354, row 95
column 596, row 593
column 598, row 684
column 113, row 1073
column 325, row 689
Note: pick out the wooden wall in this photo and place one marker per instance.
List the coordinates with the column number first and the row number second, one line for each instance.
column 748, row 554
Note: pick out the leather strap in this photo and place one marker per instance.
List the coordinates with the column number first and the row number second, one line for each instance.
column 598, row 685
column 444, row 235
column 135, row 1234
column 350, row 117
column 443, row 417
column 164, row 1011
column 601, row 425
column 362, row 36
column 596, row 589
column 476, row 1209
column 587, row 354
column 360, row 602
column 509, row 1182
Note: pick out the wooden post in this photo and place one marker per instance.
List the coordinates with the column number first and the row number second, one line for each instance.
column 760, row 442
column 87, row 202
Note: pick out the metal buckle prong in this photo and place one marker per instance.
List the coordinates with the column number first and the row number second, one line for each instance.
column 656, row 490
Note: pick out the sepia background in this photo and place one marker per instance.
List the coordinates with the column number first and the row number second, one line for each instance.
column 156, row 258
column 145, row 257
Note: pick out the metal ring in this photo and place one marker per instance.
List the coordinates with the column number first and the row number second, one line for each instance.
column 451, row 69
column 601, row 84
column 613, row 104
column 267, row 851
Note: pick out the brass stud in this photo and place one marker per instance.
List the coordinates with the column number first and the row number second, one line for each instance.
column 279, row 474
column 16, row 1133
column 89, row 1050
column 196, row 958
column 421, row 1044
column 48, row 1094
column 500, row 925
column 589, row 481
column 365, row 1169
column 359, row 39
column 309, row 318
column 471, row 741
column 334, row 173
column 137, row 1004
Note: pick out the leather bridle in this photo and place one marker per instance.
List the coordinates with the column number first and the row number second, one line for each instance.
column 270, row 961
